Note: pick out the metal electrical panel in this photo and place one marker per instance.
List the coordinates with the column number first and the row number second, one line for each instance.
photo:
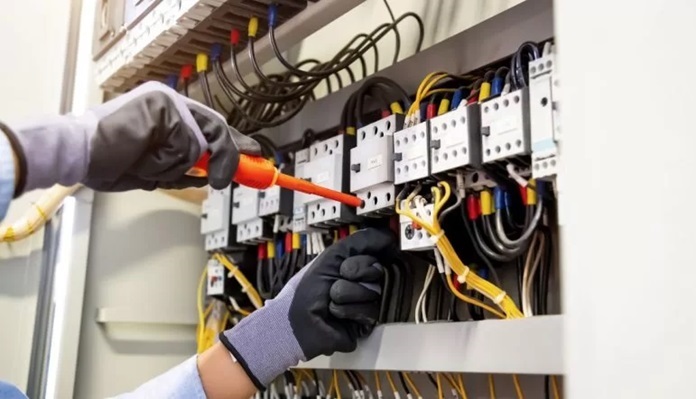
column 505, row 126
column 328, row 167
column 543, row 108
column 216, row 223
column 372, row 165
column 455, row 139
column 413, row 237
column 412, row 153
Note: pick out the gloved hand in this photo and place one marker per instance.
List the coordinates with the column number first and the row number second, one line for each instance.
column 325, row 308
column 145, row 139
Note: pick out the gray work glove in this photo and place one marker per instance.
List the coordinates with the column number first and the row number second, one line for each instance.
column 145, row 139
column 325, row 308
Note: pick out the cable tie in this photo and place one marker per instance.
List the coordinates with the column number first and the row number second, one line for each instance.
column 516, row 176
column 437, row 237
column 462, row 277
column 41, row 211
column 498, row 299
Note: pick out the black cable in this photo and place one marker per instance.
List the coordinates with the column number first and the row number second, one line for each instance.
column 397, row 36
column 203, row 80
column 403, row 383
column 475, row 243
column 316, row 383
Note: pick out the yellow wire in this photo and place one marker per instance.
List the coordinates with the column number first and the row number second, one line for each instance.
column 440, row 395
column 391, row 382
column 199, row 307
column 331, row 387
column 298, row 382
column 242, row 280
column 491, row 386
column 471, row 300
column 243, row 312
column 413, row 386
column 453, row 384
column 338, row 388
column 430, row 80
column 554, row 388
column 518, row 387
column 488, row 289
column 378, row 384
column 460, row 380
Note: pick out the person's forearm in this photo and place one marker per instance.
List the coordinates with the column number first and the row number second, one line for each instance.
column 222, row 377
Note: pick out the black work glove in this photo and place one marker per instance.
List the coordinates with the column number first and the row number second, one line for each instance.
column 145, row 139
column 325, row 308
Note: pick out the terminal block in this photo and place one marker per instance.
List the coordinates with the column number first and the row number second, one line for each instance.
column 328, row 167
column 254, row 231
column 543, row 109
column 411, row 153
column 505, row 126
column 414, row 237
column 372, row 165
column 216, row 224
column 455, row 139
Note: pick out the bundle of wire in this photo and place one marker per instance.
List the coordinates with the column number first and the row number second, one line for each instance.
column 441, row 194
column 278, row 97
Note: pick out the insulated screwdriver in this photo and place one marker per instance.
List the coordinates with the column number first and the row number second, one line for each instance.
column 260, row 173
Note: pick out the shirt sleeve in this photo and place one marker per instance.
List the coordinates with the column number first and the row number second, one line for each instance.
column 7, row 175
column 181, row 382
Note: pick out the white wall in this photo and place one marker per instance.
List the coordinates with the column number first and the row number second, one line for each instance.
column 628, row 242
column 145, row 258
column 34, row 36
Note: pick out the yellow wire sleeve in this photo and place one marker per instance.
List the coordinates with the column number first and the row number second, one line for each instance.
column 413, row 386
column 554, row 387
column 391, row 382
column 488, row 289
column 440, row 395
column 460, row 380
column 518, row 386
column 491, row 386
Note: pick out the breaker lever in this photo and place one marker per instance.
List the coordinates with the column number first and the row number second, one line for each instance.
column 260, row 173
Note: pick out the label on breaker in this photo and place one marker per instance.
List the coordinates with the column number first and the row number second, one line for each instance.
column 322, row 177
column 504, row 125
column 412, row 154
column 216, row 278
column 375, row 161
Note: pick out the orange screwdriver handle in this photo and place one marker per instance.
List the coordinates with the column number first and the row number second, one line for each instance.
column 260, row 173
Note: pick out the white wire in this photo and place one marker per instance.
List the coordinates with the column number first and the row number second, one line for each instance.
column 532, row 273
column 421, row 297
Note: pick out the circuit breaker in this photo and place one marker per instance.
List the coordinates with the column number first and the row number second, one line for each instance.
column 275, row 200
column 216, row 278
column 543, row 109
column 251, row 228
column 455, row 139
column 299, row 200
column 328, row 167
column 412, row 153
column 414, row 237
column 372, row 165
column 216, row 223
column 505, row 126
